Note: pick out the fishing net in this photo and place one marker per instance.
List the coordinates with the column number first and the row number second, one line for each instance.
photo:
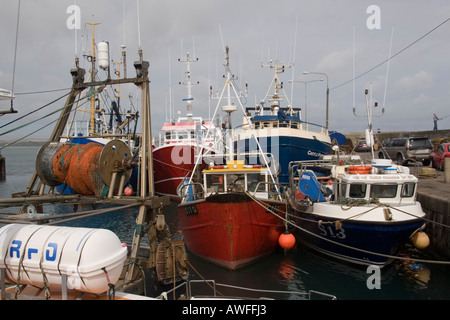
column 78, row 167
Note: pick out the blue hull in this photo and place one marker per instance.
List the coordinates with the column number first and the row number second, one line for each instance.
column 286, row 149
column 383, row 238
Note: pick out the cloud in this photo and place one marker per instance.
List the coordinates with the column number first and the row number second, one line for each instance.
column 336, row 61
column 414, row 83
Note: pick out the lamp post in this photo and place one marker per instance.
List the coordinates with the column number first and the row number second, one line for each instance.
column 305, row 82
column 328, row 94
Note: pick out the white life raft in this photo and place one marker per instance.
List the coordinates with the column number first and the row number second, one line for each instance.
column 91, row 259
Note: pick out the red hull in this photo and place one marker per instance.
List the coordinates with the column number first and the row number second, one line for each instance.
column 171, row 164
column 230, row 230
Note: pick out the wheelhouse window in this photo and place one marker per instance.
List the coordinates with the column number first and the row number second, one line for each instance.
column 252, row 182
column 408, row 190
column 383, row 191
column 214, row 182
column 236, row 182
column 357, row 190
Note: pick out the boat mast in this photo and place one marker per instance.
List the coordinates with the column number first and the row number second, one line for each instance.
column 188, row 84
column 230, row 107
column 275, row 99
column 92, row 57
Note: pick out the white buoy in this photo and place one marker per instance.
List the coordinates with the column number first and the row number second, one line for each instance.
column 103, row 55
column 91, row 259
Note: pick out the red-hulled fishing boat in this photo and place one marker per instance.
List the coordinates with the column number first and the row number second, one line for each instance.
column 179, row 144
column 176, row 155
column 233, row 218
column 232, row 215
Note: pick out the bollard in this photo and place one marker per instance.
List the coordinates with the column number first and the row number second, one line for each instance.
column 447, row 170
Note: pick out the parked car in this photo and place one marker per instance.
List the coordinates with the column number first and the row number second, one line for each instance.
column 404, row 150
column 361, row 145
column 439, row 155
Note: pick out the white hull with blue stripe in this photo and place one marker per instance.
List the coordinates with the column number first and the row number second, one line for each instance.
column 363, row 214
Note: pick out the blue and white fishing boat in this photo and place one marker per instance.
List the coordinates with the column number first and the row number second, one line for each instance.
column 281, row 131
column 361, row 213
column 358, row 211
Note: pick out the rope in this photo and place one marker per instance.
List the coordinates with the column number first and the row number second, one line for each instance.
column 112, row 288
column 425, row 219
column 170, row 165
column 198, row 273
column 344, row 245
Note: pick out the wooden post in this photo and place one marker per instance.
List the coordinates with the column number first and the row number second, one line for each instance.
column 447, row 170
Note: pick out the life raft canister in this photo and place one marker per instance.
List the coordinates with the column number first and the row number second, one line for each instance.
column 359, row 169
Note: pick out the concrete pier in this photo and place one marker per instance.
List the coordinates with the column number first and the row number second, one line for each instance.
column 434, row 196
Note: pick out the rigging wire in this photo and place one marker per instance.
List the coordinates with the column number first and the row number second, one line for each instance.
column 36, row 110
column 44, row 91
column 24, row 125
column 394, row 55
column 15, row 53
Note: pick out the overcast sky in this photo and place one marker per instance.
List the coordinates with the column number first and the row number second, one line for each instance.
column 324, row 36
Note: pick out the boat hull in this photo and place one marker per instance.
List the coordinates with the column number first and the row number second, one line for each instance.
column 287, row 147
column 172, row 164
column 376, row 242
column 230, row 230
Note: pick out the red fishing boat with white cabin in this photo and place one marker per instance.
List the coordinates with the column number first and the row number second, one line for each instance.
column 179, row 144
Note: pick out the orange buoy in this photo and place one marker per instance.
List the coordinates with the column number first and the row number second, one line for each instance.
column 359, row 169
column 286, row 240
column 128, row 191
column 420, row 240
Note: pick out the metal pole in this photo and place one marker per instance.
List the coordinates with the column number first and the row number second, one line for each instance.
column 328, row 95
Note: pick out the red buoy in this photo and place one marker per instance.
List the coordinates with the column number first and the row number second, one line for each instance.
column 286, row 240
column 128, row 191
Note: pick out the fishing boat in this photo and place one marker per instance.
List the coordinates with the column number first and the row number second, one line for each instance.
column 359, row 211
column 280, row 130
column 354, row 211
column 231, row 217
column 177, row 150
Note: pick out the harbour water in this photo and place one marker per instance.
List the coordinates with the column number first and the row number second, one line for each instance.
column 296, row 271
